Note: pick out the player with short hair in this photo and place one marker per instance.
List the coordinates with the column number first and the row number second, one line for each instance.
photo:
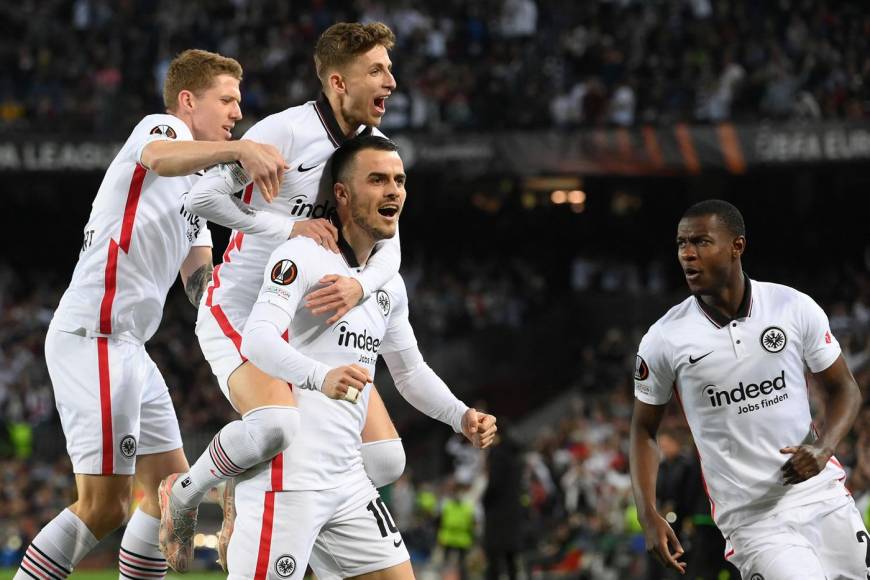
column 353, row 64
column 113, row 403
column 317, row 490
column 734, row 353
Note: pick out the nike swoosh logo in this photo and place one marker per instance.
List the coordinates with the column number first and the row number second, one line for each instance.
column 396, row 544
column 303, row 169
column 694, row 360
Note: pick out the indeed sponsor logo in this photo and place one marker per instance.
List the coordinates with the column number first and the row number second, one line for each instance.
column 358, row 340
column 300, row 207
column 744, row 392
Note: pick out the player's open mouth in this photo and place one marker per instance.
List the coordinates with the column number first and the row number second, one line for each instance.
column 389, row 210
column 229, row 130
column 380, row 104
column 692, row 274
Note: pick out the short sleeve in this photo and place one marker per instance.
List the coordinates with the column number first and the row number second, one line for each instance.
column 203, row 238
column 653, row 369
column 286, row 279
column 399, row 334
column 820, row 348
column 158, row 128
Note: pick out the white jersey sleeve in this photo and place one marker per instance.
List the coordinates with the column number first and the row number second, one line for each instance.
column 653, row 369
column 286, row 281
column 382, row 266
column 213, row 198
column 399, row 335
column 820, row 348
column 169, row 128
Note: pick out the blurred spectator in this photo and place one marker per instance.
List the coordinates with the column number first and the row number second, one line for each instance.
column 502, row 506
column 93, row 66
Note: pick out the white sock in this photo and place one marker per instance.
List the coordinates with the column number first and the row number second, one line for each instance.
column 57, row 549
column 140, row 557
column 262, row 434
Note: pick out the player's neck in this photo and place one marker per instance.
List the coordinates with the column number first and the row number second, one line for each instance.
column 348, row 126
column 360, row 242
column 729, row 299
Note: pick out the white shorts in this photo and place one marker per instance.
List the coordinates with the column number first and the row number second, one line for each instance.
column 341, row 532
column 113, row 402
column 220, row 343
column 825, row 540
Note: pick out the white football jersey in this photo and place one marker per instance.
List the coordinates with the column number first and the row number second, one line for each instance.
column 742, row 387
column 307, row 136
column 135, row 241
column 326, row 449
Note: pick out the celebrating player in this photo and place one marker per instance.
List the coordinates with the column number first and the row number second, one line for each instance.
column 353, row 65
column 113, row 403
column 317, row 489
column 734, row 353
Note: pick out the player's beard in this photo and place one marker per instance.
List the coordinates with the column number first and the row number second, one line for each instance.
column 358, row 217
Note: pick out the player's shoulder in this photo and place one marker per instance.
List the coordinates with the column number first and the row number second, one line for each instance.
column 392, row 296
column 163, row 124
column 776, row 292
column 676, row 315
column 301, row 248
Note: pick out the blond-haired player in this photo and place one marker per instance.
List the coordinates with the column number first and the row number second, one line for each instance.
column 113, row 403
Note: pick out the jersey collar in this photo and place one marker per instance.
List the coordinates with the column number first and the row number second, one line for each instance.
column 330, row 123
column 743, row 311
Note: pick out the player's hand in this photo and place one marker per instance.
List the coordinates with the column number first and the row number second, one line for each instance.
column 265, row 166
column 479, row 428
column 805, row 462
column 662, row 543
column 340, row 380
column 319, row 230
column 339, row 293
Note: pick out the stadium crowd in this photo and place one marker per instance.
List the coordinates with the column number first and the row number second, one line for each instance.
column 93, row 65
column 564, row 488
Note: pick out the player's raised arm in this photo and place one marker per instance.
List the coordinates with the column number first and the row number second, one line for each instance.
column 644, row 457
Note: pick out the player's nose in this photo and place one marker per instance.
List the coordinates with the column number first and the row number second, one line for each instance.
column 389, row 81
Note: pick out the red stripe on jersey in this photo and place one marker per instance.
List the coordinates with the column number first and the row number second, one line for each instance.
column 700, row 463
column 133, row 195
column 262, row 570
column 278, row 472
column 227, row 327
column 235, row 243
column 249, row 191
column 105, row 406
column 130, row 209
column 111, row 288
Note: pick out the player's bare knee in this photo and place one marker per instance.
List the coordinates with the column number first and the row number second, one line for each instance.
column 103, row 515
column 384, row 461
column 272, row 428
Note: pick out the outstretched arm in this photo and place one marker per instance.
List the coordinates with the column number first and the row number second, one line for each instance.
column 425, row 391
column 842, row 403
column 644, row 460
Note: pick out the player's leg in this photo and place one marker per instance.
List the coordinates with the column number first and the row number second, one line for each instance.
column 361, row 539
column 96, row 387
column 842, row 539
column 160, row 455
column 774, row 549
column 382, row 450
column 275, row 531
column 269, row 421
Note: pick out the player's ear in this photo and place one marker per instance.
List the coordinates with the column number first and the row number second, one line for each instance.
column 738, row 246
column 336, row 82
column 185, row 100
column 342, row 194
